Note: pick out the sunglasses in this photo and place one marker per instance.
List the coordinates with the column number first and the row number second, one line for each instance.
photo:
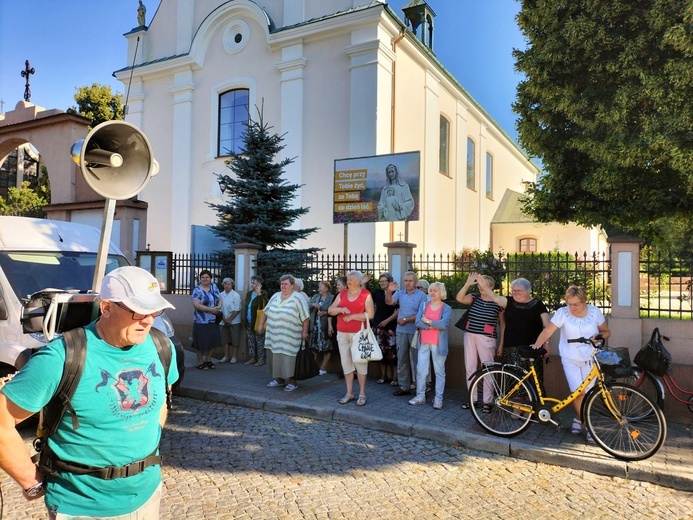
column 136, row 316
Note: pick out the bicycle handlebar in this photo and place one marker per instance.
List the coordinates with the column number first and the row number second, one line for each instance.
column 599, row 343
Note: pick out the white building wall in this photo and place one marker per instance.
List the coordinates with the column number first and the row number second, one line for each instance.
column 329, row 87
column 555, row 237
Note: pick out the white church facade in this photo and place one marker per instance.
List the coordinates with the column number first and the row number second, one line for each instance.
column 339, row 79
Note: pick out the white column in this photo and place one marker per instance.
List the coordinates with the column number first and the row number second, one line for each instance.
column 429, row 154
column 291, row 67
column 181, row 161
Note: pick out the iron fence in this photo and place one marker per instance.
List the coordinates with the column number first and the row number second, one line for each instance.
column 186, row 270
column 665, row 286
column 549, row 273
column 665, row 281
column 312, row 268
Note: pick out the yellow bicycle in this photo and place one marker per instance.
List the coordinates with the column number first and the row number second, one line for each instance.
column 621, row 418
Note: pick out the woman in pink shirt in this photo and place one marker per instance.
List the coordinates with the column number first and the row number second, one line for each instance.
column 432, row 320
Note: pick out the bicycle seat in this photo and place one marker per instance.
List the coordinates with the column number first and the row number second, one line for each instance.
column 527, row 351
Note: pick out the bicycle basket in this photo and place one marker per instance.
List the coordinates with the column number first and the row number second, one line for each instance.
column 615, row 362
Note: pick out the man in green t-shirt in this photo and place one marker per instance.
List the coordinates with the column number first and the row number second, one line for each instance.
column 120, row 404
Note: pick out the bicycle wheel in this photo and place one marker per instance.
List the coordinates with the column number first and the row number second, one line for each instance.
column 649, row 384
column 502, row 420
column 636, row 432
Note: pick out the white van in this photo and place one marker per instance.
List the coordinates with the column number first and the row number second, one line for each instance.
column 37, row 254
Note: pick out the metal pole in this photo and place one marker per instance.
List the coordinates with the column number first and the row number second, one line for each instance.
column 104, row 245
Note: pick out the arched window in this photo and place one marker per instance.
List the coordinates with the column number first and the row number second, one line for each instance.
column 471, row 172
column 233, row 116
column 444, row 147
column 528, row 245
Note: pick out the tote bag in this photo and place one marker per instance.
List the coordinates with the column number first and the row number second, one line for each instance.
column 364, row 345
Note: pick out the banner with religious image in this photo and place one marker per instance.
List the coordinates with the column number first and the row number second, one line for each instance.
column 380, row 188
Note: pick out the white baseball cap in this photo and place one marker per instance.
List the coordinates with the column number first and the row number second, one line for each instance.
column 135, row 288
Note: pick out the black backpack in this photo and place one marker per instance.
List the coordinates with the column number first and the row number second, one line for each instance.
column 52, row 413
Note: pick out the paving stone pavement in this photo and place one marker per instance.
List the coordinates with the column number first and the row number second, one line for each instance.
column 317, row 398
column 233, row 462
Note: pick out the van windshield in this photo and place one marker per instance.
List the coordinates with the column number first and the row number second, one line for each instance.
column 31, row 271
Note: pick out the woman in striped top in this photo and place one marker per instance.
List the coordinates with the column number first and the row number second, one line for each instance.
column 481, row 329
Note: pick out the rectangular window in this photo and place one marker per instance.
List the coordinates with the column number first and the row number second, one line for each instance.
column 444, row 151
column 233, row 116
column 489, row 176
column 471, row 173
column 528, row 245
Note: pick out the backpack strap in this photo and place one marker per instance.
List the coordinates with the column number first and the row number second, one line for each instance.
column 163, row 347
column 75, row 341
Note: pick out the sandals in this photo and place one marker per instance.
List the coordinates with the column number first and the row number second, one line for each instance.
column 202, row 366
column 361, row 400
column 466, row 406
column 382, row 381
column 487, row 408
column 347, row 399
column 394, row 382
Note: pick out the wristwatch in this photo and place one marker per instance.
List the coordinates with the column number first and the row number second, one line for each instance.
column 34, row 491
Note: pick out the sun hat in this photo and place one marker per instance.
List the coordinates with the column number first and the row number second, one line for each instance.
column 135, row 288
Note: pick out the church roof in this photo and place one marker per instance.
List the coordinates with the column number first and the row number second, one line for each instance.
column 510, row 210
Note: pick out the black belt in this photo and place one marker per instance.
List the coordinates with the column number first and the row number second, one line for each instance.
column 50, row 464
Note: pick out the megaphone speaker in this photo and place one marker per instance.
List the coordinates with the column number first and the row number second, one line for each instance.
column 116, row 159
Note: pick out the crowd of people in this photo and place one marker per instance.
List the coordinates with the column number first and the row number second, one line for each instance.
column 411, row 326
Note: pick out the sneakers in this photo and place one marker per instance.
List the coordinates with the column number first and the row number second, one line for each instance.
column 417, row 401
column 251, row 361
column 273, row 383
column 290, row 387
column 223, row 360
column 576, row 428
column 322, row 372
column 437, row 404
column 233, row 361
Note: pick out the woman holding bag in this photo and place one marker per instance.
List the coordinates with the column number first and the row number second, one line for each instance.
column 352, row 307
column 255, row 300
column 432, row 320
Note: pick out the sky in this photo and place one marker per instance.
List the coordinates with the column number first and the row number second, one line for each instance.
column 73, row 43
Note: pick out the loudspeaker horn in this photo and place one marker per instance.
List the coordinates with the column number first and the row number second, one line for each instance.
column 116, row 159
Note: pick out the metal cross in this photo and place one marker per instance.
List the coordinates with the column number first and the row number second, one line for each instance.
column 400, row 236
column 28, row 69
column 2, row 106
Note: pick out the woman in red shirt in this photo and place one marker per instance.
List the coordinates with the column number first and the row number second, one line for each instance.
column 352, row 306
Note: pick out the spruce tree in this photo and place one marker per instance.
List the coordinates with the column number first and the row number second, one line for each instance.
column 259, row 209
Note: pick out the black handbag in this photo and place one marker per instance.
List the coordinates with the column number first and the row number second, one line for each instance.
column 653, row 357
column 306, row 367
column 462, row 322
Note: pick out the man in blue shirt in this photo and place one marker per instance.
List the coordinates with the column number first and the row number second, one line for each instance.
column 120, row 403
column 409, row 300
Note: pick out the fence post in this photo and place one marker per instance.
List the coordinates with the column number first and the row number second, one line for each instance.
column 399, row 256
column 246, row 254
column 624, row 323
